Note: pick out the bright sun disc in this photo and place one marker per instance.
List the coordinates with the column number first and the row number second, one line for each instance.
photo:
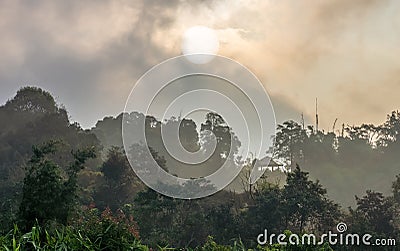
column 200, row 40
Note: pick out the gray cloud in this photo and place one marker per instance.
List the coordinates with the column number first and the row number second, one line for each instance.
column 89, row 54
column 82, row 76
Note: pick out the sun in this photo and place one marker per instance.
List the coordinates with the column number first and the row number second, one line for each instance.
column 200, row 44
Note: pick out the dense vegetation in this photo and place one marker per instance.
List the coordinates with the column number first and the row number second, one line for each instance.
column 65, row 188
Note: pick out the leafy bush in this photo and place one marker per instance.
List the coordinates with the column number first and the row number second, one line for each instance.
column 107, row 230
column 67, row 238
column 94, row 231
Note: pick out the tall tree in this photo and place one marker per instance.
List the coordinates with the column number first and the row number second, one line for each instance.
column 119, row 184
column 305, row 202
column 289, row 140
column 266, row 212
column 47, row 195
column 374, row 214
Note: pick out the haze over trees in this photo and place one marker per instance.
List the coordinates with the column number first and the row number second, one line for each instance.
column 59, row 178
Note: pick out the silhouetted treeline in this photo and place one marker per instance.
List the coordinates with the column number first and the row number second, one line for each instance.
column 55, row 174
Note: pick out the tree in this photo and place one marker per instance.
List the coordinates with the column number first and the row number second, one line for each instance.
column 32, row 117
column 368, row 133
column 120, row 184
column 305, row 203
column 155, row 216
column 396, row 201
column 227, row 144
column 221, row 222
column 289, row 140
column 264, row 213
column 319, row 147
column 391, row 128
column 301, row 205
column 227, row 141
column 33, row 100
column 47, row 195
column 188, row 135
column 374, row 214
column 396, row 189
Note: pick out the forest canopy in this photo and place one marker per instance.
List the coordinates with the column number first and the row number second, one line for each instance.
column 56, row 175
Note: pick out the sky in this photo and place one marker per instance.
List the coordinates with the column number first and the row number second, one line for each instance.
column 89, row 54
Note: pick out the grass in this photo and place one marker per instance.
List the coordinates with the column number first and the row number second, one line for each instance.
column 69, row 238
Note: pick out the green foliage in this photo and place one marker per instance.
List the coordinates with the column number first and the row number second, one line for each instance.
column 264, row 213
column 69, row 238
column 110, row 132
column 47, row 195
column 305, row 202
column 164, row 221
column 32, row 99
column 107, row 230
column 301, row 205
column 32, row 117
column 119, row 183
column 51, row 191
column 155, row 214
column 211, row 245
column 374, row 214
column 338, row 158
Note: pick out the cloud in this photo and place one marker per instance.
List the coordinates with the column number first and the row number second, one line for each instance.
column 308, row 49
column 90, row 53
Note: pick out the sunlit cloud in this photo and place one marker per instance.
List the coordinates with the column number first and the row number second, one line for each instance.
column 90, row 53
